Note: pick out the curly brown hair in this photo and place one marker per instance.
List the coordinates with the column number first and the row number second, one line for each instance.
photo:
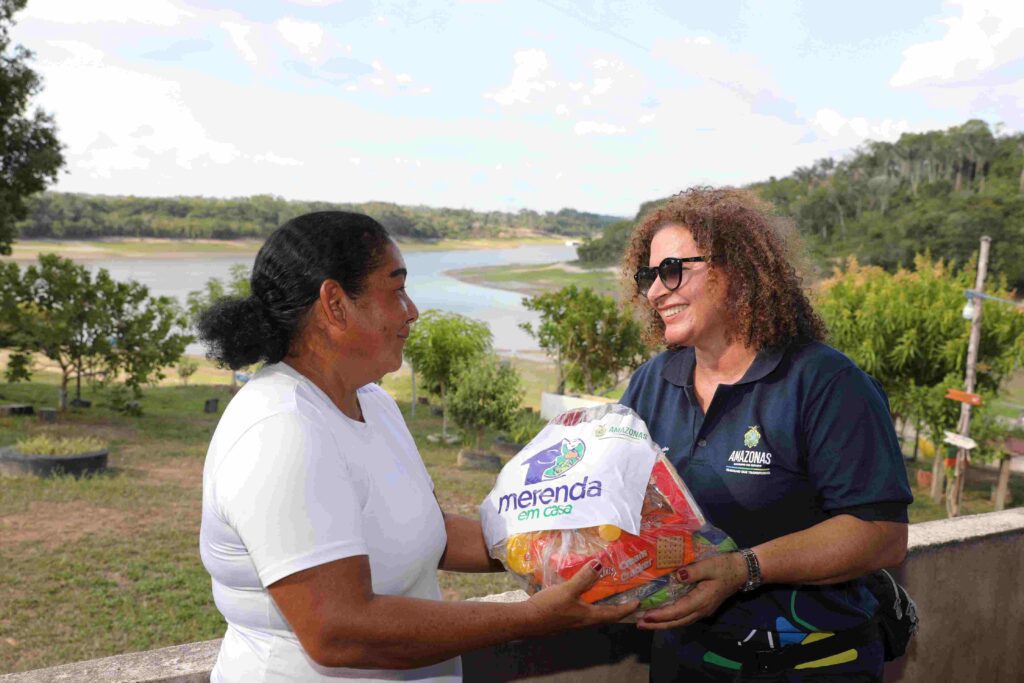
column 749, row 248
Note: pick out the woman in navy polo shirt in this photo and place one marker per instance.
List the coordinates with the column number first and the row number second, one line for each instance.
column 787, row 445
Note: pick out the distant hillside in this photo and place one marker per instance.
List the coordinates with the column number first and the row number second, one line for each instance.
column 938, row 191
column 56, row 215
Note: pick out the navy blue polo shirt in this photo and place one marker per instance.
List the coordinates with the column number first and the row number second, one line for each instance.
column 803, row 436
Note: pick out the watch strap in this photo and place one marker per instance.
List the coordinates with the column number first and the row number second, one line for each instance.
column 753, row 570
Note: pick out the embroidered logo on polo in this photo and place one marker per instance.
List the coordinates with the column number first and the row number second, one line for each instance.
column 748, row 460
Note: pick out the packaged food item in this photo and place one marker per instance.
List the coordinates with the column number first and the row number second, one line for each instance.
column 593, row 485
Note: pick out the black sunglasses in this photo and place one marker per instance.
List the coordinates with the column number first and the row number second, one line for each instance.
column 670, row 271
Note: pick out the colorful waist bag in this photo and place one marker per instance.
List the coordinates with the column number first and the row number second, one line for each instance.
column 894, row 624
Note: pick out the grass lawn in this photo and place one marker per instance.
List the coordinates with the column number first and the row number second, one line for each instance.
column 110, row 564
column 532, row 280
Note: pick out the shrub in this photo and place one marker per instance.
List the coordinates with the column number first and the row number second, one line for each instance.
column 44, row 444
column 525, row 425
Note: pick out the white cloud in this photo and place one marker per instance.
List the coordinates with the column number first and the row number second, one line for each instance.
column 304, row 36
column 277, row 160
column 850, row 132
column 602, row 85
column 597, row 128
column 153, row 12
column 239, row 34
column 987, row 34
column 562, row 110
column 526, row 78
column 150, row 120
column 710, row 61
column 403, row 78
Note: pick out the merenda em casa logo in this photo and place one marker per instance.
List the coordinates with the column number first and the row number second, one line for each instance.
column 550, row 463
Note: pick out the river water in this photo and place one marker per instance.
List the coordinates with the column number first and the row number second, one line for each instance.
column 427, row 284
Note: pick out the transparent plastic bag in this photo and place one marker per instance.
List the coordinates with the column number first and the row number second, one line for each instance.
column 672, row 531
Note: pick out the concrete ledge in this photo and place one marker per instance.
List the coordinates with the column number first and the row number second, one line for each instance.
column 963, row 573
column 945, row 532
column 188, row 663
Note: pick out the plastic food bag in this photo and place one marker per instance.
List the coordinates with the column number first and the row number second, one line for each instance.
column 593, row 485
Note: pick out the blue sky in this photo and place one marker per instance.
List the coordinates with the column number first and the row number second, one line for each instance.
column 543, row 104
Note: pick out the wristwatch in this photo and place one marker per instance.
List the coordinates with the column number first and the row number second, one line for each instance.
column 753, row 570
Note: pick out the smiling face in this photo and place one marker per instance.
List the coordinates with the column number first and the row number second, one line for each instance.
column 383, row 314
column 692, row 313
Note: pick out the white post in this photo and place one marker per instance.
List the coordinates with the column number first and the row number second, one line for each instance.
column 964, row 427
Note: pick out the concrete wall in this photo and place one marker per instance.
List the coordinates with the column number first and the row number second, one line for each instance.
column 964, row 574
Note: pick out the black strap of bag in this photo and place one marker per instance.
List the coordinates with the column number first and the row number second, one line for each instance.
column 897, row 613
column 895, row 624
column 772, row 661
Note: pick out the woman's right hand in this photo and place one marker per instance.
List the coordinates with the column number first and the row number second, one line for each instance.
column 558, row 608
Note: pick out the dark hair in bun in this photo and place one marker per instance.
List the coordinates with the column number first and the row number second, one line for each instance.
column 286, row 277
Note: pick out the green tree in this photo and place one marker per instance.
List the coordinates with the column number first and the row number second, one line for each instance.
column 590, row 337
column 438, row 343
column 236, row 287
column 19, row 367
column 906, row 330
column 91, row 325
column 186, row 368
column 30, row 153
column 607, row 249
column 485, row 393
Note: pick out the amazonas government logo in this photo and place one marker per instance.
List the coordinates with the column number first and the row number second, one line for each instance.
column 554, row 461
column 748, row 460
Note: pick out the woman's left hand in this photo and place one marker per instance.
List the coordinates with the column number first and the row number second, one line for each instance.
column 714, row 579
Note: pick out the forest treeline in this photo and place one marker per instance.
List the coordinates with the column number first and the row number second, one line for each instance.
column 59, row 215
column 938, row 191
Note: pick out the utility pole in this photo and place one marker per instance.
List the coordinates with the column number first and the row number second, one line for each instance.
column 964, row 427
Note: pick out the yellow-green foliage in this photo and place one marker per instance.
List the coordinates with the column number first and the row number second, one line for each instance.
column 906, row 329
column 43, row 444
column 925, row 447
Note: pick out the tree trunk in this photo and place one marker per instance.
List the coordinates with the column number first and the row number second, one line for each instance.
column 1020, row 184
column 959, row 178
column 561, row 373
column 64, row 391
column 444, row 412
column 938, row 475
column 917, row 440
column 1004, row 482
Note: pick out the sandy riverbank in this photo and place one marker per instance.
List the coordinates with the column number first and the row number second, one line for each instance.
column 158, row 248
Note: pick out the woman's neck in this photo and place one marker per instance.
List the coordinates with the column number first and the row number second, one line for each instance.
column 724, row 362
column 331, row 378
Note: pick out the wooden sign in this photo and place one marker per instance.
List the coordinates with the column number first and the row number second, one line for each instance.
column 963, row 397
column 960, row 441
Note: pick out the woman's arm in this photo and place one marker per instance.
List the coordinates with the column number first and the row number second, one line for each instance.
column 340, row 621
column 466, row 550
column 836, row 550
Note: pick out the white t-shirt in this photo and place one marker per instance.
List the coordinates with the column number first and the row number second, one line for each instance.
column 290, row 483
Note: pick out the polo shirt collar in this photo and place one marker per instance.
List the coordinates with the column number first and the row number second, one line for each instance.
column 679, row 368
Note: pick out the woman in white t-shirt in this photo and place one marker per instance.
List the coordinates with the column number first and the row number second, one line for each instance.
column 320, row 528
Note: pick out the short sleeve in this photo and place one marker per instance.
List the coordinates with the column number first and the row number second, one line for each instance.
column 287, row 492
column 854, row 459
